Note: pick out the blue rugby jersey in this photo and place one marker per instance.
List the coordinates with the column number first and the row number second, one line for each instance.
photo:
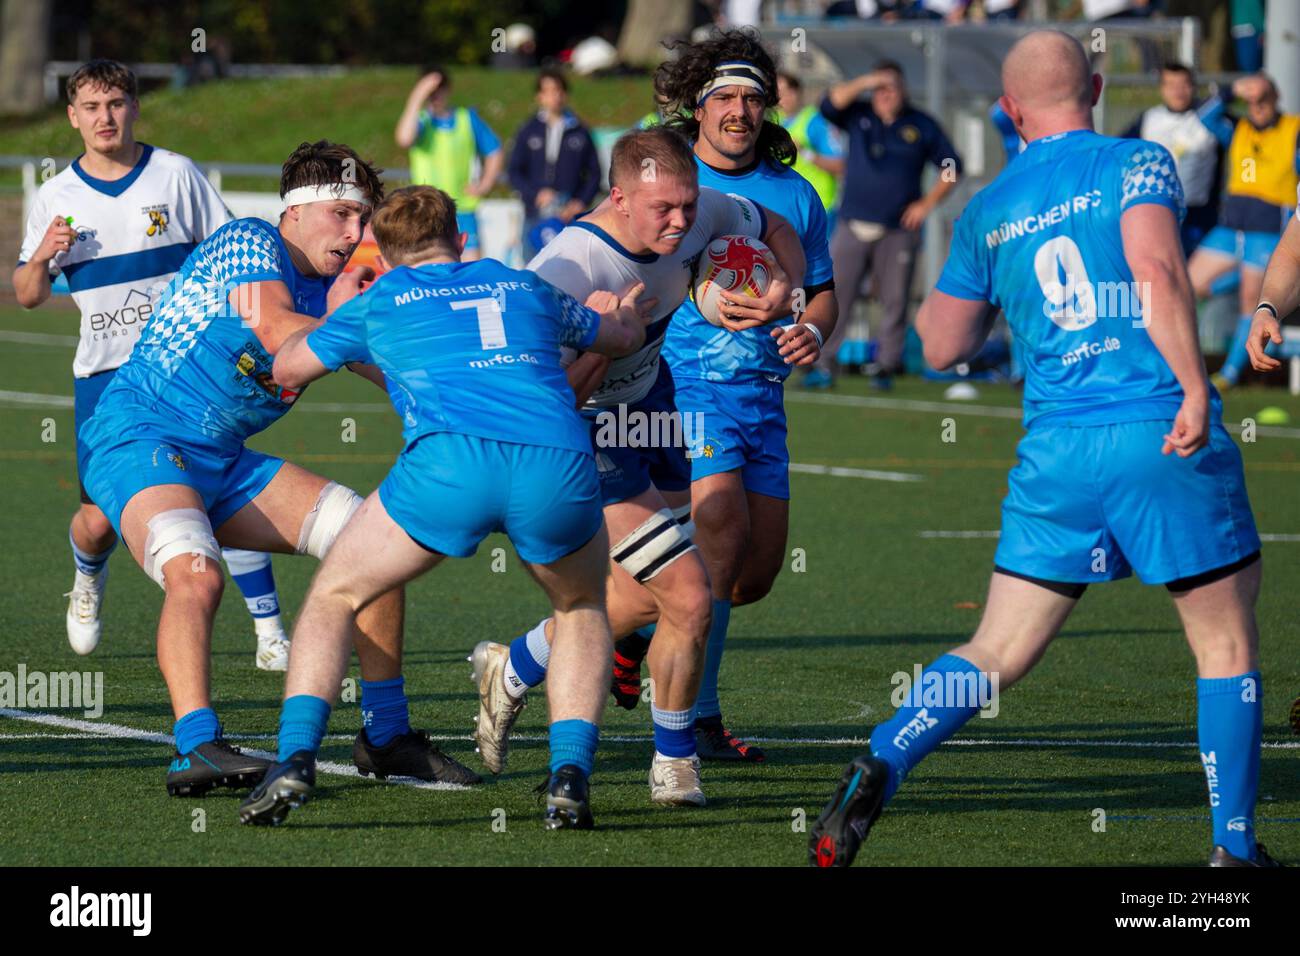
column 198, row 366
column 695, row 348
column 1043, row 242
column 471, row 348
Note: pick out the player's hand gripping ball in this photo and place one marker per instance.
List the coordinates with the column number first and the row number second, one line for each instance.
column 739, row 265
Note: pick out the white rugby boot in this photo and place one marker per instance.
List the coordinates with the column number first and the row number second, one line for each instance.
column 273, row 650
column 675, row 781
column 86, row 600
column 497, row 710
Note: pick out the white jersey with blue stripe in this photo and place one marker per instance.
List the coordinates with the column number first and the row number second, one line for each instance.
column 584, row 258
column 1043, row 242
column 133, row 233
column 198, row 365
column 694, row 347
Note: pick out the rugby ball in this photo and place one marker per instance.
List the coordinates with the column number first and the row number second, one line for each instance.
column 736, row 264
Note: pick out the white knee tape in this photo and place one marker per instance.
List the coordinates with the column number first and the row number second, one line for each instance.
column 652, row 547
column 176, row 532
column 335, row 505
column 683, row 515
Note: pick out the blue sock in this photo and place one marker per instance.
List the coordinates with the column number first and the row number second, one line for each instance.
column 706, row 705
column 1237, row 354
column 927, row 718
column 197, row 727
column 573, row 742
column 252, row 573
column 524, row 653
column 91, row 564
column 384, row 711
column 303, row 720
column 1230, row 723
column 674, row 731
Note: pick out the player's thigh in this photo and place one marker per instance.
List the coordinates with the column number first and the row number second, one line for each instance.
column 167, row 531
column 372, row 555
column 769, row 526
column 273, row 519
column 577, row 579
column 1020, row 619
column 648, row 544
column 1218, row 615
column 146, row 505
column 1252, row 284
column 1209, row 262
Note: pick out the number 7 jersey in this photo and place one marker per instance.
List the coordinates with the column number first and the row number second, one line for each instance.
column 1043, row 242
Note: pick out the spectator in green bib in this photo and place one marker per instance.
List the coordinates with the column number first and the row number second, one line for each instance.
column 821, row 150
column 448, row 146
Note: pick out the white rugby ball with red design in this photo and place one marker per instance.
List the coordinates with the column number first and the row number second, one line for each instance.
column 737, row 264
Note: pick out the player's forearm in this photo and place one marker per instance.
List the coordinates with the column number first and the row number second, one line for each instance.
column 295, row 363
column 408, row 124
column 1281, row 287
column 32, row 284
column 491, row 172
column 843, row 94
column 585, row 375
column 952, row 330
column 1169, row 312
column 785, row 245
column 833, row 166
column 371, row 373
column 939, row 192
column 275, row 328
column 823, row 312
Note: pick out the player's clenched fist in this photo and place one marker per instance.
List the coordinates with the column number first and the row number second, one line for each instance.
column 1263, row 330
column 798, row 344
column 59, row 237
column 348, row 286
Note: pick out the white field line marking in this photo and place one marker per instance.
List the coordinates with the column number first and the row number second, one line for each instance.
column 32, row 398
column 837, row 472
column 39, row 338
column 131, row 733
column 111, row 730
column 1271, row 538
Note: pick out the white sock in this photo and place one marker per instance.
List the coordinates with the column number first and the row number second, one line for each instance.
column 88, row 582
column 269, row 626
column 540, row 652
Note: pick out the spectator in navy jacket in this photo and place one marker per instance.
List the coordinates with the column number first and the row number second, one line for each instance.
column 554, row 165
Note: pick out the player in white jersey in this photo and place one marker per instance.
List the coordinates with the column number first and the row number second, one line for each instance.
column 651, row 230
column 117, row 223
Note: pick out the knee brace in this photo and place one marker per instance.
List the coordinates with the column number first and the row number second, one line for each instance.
column 335, row 505
column 657, row 543
column 176, row 532
column 683, row 515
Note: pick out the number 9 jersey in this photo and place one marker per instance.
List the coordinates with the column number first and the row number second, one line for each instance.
column 1043, row 242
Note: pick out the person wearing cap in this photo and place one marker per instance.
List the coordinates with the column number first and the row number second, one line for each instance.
column 554, row 165
column 882, row 208
column 450, row 147
column 164, row 456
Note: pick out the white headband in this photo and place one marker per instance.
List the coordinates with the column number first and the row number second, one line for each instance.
column 326, row 192
column 734, row 73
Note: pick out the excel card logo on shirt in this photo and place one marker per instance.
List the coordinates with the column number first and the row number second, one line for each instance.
column 159, row 216
column 125, row 319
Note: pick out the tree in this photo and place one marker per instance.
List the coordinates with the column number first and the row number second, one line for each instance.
column 647, row 24
column 24, row 44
